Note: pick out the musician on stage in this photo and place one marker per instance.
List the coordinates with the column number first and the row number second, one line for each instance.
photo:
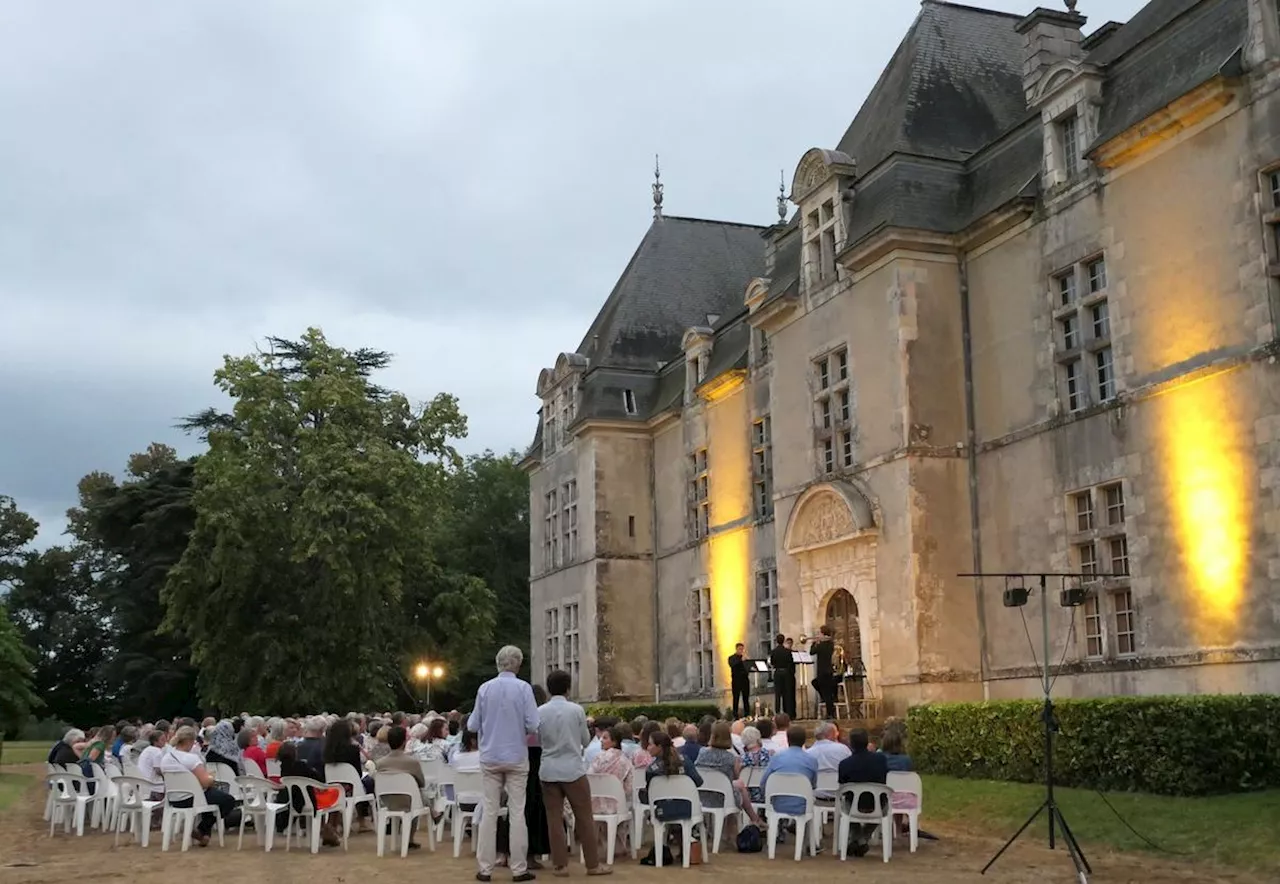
column 823, row 649
column 784, row 676
column 739, row 679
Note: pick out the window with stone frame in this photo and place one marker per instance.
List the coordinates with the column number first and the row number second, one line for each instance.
column 767, row 625
column 1098, row 537
column 704, row 653
column 629, row 401
column 820, row 242
column 551, row 528
column 699, row 496
column 1082, row 343
column 568, row 408
column 761, row 339
column 551, row 629
column 762, row 466
column 572, row 658
column 569, row 522
column 549, row 424
column 833, row 406
column 1271, row 217
column 1067, row 132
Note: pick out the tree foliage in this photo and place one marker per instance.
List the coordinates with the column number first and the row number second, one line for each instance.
column 17, row 697
column 310, row 569
column 17, row 529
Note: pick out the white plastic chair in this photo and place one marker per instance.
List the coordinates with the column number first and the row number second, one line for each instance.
column 225, row 775
column 71, row 798
column 134, row 806
column 681, row 787
column 309, row 816
column 50, row 770
column 791, row 785
column 105, row 796
column 444, row 803
column 468, row 788
column 273, row 768
column 349, row 776
column 257, row 797
column 751, row 777
column 714, row 782
column 252, row 768
column 848, row 798
column 179, row 786
column 908, row 783
column 824, row 809
column 388, row 783
column 609, row 786
column 639, row 811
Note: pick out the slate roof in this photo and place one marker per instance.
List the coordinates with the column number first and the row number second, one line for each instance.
column 683, row 270
column 953, row 85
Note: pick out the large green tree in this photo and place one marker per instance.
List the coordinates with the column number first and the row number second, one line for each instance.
column 488, row 536
column 311, row 572
column 17, row 698
column 138, row 531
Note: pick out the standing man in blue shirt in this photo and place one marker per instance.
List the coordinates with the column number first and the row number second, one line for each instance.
column 504, row 716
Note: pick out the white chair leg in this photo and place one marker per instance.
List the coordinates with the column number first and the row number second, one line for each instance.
column 886, row 837
column 611, row 832
column 801, row 831
column 773, row 835
column 659, row 839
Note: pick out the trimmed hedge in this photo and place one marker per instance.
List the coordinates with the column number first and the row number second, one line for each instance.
column 689, row 712
column 1192, row 745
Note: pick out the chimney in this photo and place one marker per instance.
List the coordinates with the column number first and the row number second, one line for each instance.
column 1049, row 36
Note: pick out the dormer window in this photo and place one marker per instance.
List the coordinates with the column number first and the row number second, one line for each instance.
column 1069, row 143
column 820, row 242
column 629, row 401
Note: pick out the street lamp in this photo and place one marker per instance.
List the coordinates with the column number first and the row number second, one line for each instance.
column 424, row 673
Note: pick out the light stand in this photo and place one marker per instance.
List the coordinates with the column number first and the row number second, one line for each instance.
column 1017, row 597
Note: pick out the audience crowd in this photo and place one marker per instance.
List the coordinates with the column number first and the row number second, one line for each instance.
column 534, row 749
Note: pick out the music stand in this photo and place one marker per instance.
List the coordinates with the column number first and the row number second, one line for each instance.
column 802, row 658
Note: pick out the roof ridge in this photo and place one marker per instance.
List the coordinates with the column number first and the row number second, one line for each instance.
column 666, row 217
column 970, row 8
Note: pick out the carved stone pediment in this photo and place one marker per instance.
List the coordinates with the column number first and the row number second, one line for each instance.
column 817, row 167
column 829, row 513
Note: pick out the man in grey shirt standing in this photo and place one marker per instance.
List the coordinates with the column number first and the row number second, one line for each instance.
column 563, row 733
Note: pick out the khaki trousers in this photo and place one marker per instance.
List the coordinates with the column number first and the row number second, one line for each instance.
column 578, row 794
column 512, row 779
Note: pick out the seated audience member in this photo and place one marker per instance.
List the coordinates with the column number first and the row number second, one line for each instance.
column 691, row 745
column 250, row 750
column 222, row 747
column 63, row 751
column 828, row 752
column 674, row 729
column 124, row 743
column 893, row 745
column 293, row 765
column 433, row 744
column 135, row 751
column 600, row 727
column 718, row 755
column 379, row 748
column 276, row 729
column 311, row 746
column 642, row 758
column 668, row 762
column 181, row 756
column 795, row 760
column 778, row 742
column 862, row 766
column 399, row 761
column 340, row 748
column 149, row 761
column 735, row 734
column 612, row 761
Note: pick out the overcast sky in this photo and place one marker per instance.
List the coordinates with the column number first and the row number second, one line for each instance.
column 457, row 183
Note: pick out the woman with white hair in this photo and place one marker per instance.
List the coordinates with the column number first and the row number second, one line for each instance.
column 63, row 751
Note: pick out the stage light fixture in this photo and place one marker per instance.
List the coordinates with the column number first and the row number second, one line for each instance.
column 1015, row 596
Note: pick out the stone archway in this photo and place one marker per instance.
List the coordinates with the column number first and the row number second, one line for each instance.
column 841, row 615
column 832, row 535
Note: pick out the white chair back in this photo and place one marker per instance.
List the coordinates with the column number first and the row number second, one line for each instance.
column 301, row 786
column 180, row 785
column 133, row 792
column 906, row 783
column 679, row 786
column 610, row 787
column 255, row 792
column 828, row 781
column 468, row 787
column 224, row 774
column 252, row 768
column 395, row 782
column 850, row 796
column 347, row 775
column 716, row 783
column 788, row 785
column 273, row 768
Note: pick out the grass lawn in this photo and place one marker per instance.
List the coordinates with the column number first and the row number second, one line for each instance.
column 25, row 753
column 1236, row 830
column 12, row 785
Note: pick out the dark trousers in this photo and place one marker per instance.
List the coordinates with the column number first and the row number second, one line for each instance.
column 578, row 794
column 826, row 688
column 741, row 689
column 219, row 799
column 784, row 693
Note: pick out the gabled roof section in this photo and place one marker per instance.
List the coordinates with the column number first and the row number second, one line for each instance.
column 953, row 85
column 684, row 269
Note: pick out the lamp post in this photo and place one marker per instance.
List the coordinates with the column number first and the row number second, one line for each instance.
column 425, row 672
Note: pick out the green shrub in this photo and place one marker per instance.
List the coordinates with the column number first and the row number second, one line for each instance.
column 689, row 712
column 1194, row 745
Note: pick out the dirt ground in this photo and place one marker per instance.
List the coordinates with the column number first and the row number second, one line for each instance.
column 29, row 856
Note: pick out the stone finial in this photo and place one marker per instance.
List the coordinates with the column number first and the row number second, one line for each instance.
column 782, row 198
column 1071, row 5
column 657, row 189
column 1050, row 36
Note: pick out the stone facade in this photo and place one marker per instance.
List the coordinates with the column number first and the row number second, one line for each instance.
column 1075, row 374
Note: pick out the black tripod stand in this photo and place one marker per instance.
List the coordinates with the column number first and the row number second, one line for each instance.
column 1050, row 721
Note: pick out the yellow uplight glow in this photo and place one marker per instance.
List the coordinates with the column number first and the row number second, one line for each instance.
column 729, row 547
column 1205, row 456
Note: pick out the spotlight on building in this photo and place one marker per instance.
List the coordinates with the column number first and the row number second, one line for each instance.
column 1073, row 594
column 1016, row 595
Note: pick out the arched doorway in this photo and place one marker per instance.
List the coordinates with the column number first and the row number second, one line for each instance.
column 842, row 617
